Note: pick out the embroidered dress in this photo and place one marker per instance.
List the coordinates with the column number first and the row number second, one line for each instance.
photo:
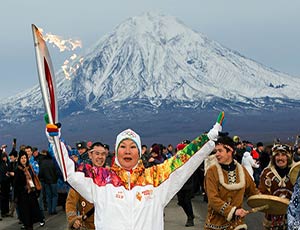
column 225, row 189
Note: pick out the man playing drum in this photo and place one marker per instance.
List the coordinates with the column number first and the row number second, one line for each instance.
column 226, row 184
column 275, row 181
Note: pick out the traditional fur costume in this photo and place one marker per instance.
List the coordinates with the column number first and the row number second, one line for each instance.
column 225, row 187
column 76, row 203
column 272, row 183
column 275, row 181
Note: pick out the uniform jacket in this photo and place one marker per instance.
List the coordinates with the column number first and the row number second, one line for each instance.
column 35, row 165
column 135, row 200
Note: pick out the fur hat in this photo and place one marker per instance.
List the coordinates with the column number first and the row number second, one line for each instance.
column 282, row 148
column 131, row 135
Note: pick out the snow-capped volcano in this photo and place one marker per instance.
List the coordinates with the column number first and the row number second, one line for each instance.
column 156, row 60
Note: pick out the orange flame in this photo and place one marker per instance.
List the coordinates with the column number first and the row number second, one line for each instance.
column 65, row 45
column 68, row 69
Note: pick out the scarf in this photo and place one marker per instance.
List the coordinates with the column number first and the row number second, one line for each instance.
column 29, row 182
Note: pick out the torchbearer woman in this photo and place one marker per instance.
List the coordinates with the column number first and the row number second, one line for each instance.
column 129, row 196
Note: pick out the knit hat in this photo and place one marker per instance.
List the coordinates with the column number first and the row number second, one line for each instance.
column 236, row 139
column 248, row 149
column 131, row 135
column 180, row 146
column 89, row 144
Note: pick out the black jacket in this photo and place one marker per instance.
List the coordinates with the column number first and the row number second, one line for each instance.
column 48, row 172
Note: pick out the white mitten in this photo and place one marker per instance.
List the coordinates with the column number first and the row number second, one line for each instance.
column 213, row 134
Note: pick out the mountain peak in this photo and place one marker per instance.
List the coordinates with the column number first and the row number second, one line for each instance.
column 154, row 60
column 155, row 24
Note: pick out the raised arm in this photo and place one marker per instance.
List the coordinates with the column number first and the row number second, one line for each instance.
column 174, row 172
column 77, row 180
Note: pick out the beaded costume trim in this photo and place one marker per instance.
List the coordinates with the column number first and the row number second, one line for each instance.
column 232, row 178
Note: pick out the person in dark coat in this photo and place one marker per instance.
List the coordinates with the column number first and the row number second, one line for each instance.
column 264, row 155
column 49, row 176
column 13, row 157
column 155, row 155
column 5, row 185
column 185, row 194
column 26, row 195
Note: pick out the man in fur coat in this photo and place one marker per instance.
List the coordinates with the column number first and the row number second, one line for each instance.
column 275, row 181
column 226, row 184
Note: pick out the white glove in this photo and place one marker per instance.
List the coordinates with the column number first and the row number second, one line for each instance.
column 213, row 134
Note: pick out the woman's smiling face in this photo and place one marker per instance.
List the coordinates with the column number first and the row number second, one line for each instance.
column 128, row 154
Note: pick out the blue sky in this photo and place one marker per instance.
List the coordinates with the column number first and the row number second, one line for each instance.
column 266, row 31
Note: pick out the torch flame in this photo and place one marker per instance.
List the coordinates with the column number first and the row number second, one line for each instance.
column 73, row 57
column 65, row 45
column 68, row 69
column 62, row 44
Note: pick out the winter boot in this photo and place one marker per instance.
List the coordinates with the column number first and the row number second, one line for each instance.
column 189, row 222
